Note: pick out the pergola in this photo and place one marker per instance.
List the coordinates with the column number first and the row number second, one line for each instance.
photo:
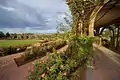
column 108, row 15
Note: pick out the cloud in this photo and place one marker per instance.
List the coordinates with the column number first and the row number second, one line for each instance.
column 7, row 8
column 21, row 14
column 27, row 30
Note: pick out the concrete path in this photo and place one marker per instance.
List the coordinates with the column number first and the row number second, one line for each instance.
column 6, row 60
column 106, row 64
column 10, row 71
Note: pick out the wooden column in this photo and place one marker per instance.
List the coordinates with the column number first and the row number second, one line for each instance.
column 92, row 19
column 117, row 41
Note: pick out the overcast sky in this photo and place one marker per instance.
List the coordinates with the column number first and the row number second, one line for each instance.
column 31, row 15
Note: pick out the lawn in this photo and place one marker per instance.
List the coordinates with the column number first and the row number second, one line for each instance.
column 16, row 42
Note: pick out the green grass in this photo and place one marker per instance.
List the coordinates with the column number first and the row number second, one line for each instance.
column 4, row 43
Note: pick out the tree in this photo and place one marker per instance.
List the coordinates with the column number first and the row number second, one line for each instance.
column 22, row 37
column 61, row 27
column 7, row 35
column 15, row 36
column 2, row 34
column 65, row 26
column 106, row 33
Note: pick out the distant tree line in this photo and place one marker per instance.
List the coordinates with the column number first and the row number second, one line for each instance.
column 3, row 35
column 22, row 36
column 17, row 36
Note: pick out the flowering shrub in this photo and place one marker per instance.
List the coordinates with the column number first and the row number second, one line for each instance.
column 12, row 49
column 60, row 66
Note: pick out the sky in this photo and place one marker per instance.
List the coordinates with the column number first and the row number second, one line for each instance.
column 31, row 16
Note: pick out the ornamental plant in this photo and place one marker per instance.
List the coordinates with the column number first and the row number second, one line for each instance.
column 40, row 51
column 12, row 49
column 60, row 66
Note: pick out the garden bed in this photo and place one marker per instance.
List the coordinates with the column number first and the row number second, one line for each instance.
column 64, row 65
column 8, row 50
column 38, row 52
column 12, row 49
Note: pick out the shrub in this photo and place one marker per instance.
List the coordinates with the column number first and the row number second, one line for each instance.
column 12, row 49
column 3, row 51
column 43, row 49
column 22, row 48
column 8, row 50
column 60, row 66
column 44, row 41
column 27, row 55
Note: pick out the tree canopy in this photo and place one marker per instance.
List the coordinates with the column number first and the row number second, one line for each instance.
column 7, row 34
column 1, row 34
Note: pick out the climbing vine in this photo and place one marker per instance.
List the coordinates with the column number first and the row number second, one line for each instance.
column 81, row 11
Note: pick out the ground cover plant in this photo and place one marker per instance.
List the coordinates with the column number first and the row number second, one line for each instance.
column 60, row 66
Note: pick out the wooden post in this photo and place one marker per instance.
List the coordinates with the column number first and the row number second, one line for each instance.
column 113, row 39
column 117, row 42
column 80, row 27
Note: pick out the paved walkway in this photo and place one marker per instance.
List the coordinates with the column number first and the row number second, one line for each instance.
column 6, row 60
column 106, row 67
column 10, row 71
column 107, row 64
